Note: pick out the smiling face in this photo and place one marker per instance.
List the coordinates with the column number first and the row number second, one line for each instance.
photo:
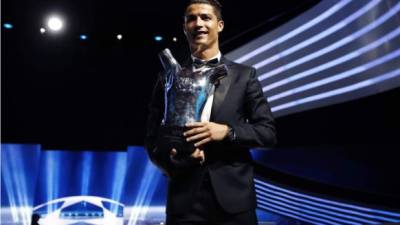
column 202, row 28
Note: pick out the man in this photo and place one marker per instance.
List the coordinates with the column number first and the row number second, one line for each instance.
column 218, row 188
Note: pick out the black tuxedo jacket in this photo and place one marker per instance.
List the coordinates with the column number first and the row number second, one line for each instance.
column 238, row 102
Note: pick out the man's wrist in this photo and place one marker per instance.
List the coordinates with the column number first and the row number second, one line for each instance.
column 231, row 136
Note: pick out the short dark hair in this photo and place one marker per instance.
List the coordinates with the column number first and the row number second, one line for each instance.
column 214, row 3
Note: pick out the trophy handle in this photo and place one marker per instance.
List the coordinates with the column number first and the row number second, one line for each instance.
column 172, row 69
column 169, row 62
column 171, row 66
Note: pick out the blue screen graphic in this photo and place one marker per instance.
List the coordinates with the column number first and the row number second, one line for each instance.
column 80, row 185
column 71, row 187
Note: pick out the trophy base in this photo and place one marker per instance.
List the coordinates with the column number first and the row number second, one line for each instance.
column 170, row 137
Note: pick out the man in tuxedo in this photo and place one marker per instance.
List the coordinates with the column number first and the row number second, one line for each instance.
column 218, row 187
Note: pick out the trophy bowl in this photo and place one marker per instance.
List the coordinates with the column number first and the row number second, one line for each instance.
column 185, row 94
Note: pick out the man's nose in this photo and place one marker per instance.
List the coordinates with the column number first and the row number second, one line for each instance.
column 199, row 22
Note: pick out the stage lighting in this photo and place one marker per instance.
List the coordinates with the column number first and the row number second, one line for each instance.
column 83, row 37
column 174, row 39
column 80, row 210
column 42, row 30
column 55, row 23
column 158, row 38
column 8, row 26
column 119, row 36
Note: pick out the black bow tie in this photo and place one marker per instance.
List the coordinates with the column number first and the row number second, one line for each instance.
column 197, row 63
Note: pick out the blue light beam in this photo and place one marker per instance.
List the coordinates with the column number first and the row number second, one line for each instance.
column 86, row 165
column 120, row 168
column 147, row 188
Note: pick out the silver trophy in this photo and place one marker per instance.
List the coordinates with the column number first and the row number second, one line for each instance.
column 185, row 95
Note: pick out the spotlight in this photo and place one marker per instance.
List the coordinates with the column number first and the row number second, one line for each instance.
column 83, row 37
column 55, row 23
column 42, row 30
column 158, row 38
column 174, row 39
column 8, row 26
column 119, row 36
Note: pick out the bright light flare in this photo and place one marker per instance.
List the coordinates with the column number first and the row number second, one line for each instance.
column 55, row 23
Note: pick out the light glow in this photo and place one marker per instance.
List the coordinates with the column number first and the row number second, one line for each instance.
column 8, row 26
column 158, row 38
column 55, row 23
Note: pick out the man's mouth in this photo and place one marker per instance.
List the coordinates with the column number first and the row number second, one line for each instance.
column 197, row 34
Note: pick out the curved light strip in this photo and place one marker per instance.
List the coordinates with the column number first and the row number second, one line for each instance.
column 309, row 212
column 77, row 198
column 319, row 36
column 291, row 213
column 337, row 77
column 263, row 190
column 267, row 185
column 295, row 201
column 338, row 91
column 325, row 50
column 293, row 33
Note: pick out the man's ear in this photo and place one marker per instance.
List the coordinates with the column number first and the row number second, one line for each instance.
column 220, row 25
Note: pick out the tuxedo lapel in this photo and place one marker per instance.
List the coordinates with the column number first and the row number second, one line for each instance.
column 221, row 89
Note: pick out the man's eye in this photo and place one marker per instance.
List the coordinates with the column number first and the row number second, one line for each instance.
column 190, row 18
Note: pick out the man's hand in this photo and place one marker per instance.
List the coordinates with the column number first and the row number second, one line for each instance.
column 204, row 132
column 196, row 156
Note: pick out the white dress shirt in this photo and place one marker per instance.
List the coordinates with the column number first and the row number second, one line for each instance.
column 206, row 113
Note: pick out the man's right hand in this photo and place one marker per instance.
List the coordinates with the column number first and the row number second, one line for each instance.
column 196, row 156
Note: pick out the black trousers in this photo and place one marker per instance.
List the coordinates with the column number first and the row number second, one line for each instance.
column 207, row 211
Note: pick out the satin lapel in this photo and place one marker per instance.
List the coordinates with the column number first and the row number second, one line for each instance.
column 222, row 89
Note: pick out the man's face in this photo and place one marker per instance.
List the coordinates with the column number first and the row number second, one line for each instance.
column 202, row 26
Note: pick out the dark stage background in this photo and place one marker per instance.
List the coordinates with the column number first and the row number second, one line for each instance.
column 63, row 92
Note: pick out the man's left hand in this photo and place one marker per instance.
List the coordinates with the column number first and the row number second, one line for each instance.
column 204, row 132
